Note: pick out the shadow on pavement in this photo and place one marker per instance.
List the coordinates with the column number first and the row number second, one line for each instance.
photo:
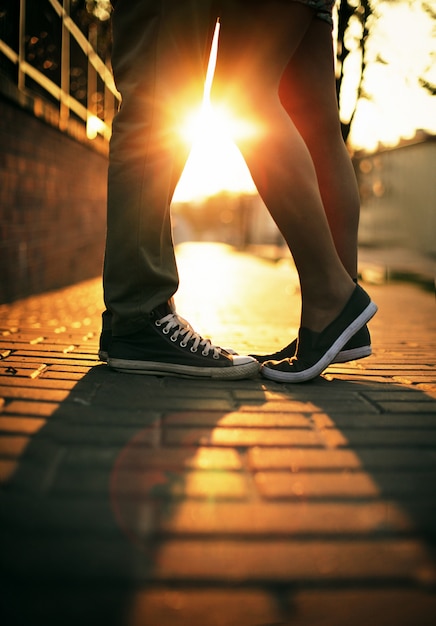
column 135, row 482
column 80, row 516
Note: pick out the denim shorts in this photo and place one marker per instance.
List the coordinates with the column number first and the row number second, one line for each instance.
column 323, row 9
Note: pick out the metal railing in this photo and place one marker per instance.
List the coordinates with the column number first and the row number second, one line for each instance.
column 48, row 54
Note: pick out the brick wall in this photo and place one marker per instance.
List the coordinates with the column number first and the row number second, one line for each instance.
column 52, row 206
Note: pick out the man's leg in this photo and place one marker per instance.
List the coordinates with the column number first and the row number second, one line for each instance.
column 159, row 57
column 159, row 54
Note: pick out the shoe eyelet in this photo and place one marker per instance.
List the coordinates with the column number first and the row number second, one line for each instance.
column 193, row 349
column 205, row 353
column 157, row 323
column 173, row 338
column 165, row 331
column 183, row 344
column 216, row 357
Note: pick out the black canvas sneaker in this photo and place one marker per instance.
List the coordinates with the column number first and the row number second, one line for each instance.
column 168, row 345
column 105, row 339
column 106, row 335
column 358, row 347
column 315, row 351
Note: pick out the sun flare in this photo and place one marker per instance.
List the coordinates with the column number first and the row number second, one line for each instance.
column 395, row 105
column 215, row 164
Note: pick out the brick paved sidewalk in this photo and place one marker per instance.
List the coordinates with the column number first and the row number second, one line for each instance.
column 145, row 501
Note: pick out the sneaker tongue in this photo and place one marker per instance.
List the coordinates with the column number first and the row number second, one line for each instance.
column 162, row 310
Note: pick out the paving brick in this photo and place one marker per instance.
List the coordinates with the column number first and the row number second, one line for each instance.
column 427, row 388
column 7, row 469
column 211, row 392
column 33, row 475
column 87, row 413
column 282, row 406
column 31, row 337
column 160, row 401
column 403, row 420
column 69, row 368
column 241, row 437
column 401, row 367
column 13, row 383
column 360, row 606
column 152, row 606
column 403, row 406
column 15, row 369
column 338, row 405
column 197, row 608
column 23, row 512
column 144, row 489
column 371, row 458
column 79, row 434
column 153, row 484
column 392, row 394
column 22, row 425
column 49, row 374
column 257, row 395
column 35, row 393
column 389, row 561
column 184, row 606
column 135, row 456
column 254, row 518
column 203, row 385
column 380, row 438
column 235, row 419
column 13, row 446
column 47, row 358
column 344, row 484
column 29, row 408
column 415, row 379
column 38, row 347
column 357, row 377
column 287, row 562
column 294, row 518
column 23, row 362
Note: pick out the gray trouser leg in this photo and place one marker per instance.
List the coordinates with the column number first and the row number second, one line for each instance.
column 159, row 58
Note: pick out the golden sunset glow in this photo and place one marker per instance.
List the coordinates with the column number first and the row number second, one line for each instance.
column 395, row 107
column 397, row 104
column 215, row 163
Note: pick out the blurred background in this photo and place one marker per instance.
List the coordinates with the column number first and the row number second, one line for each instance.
column 58, row 99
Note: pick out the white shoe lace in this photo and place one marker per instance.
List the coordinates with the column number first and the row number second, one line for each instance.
column 181, row 328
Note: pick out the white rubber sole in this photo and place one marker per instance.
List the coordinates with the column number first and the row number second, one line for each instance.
column 103, row 355
column 154, row 368
column 354, row 354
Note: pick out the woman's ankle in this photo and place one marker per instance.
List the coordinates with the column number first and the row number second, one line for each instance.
column 318, row 312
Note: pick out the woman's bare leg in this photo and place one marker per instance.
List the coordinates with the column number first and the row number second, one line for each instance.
column 309, row 78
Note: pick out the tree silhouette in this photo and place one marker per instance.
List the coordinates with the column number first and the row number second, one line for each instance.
column 430, row 86
column 348, row 10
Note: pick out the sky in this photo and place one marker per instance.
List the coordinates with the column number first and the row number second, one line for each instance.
column 404, row 35
column 401, row 49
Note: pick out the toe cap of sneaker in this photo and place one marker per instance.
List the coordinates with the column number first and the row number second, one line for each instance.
column 242, row 360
